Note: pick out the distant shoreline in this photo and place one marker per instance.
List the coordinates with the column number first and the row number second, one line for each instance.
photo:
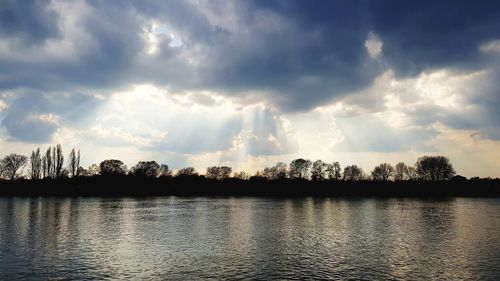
column 129, row 186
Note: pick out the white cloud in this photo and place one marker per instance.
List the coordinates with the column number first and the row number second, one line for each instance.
column 373, row 45
column 490, row 47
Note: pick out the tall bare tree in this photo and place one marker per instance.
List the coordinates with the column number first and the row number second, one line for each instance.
column 74, row 162
column 35, row 164
column 78, row 163
column 12, row 163
column 58, row 161
column 47, row 163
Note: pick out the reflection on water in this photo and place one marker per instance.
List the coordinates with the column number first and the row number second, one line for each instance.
column 249, row 238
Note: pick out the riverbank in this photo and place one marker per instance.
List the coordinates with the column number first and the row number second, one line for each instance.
column 200, row 186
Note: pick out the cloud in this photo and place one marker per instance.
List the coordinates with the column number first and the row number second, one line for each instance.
column 220, row 79
column 490, row 47
column 373, row 45
column 30, row 22
column 318, row 54
column 34, row 116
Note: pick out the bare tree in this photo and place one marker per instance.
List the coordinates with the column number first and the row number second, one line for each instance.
column 187, row 171
column 299, row 168
column 275, row 172
column 400, row 171
column 47, row 163
column 434, row 168
column 269, row 173
column 83, row 172
column 224, row 172
column 112, row 167
column 54, row 174
column 242, row 175
column 218, row 173
column 12, row 163
column 353, row 173
column 73, row 162
column 78, row 162
column 411, row 173
column 58, row 161
column 318, row 170
column 2, row 170
column 333, row 171
column 145, row 169
column 383, row 172
column 94, row 170
column 164, row 171
column 35, row 164
column 44, row 166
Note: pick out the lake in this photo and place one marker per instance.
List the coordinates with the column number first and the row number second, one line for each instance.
column 249, row 238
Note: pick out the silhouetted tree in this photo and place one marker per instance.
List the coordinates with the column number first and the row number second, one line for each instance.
column 269, row 173
column 64, row 173
column 2, row 170
column 74, row 162
column 434, row 168
column 47, row 163
column 112, row 167
column 164, row 171
column 242, row 175
column 275, row 172
column 318, row 170
column 35, row 164
column 83, row 172
column 218, row 173
column 186, row 172
column 333, row 171
column 280, row 170
column 58, row 160
column 382, row 172
column 353, row 173
column 404, row 172
column 299, row 168
column 94, row 170
column 12, row 163
column 145, row 169
column 400, row 171
column 411, row 173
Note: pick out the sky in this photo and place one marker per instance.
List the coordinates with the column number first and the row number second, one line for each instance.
column 250, row 83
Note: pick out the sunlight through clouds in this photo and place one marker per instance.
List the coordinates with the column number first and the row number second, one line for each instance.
column 248, row 83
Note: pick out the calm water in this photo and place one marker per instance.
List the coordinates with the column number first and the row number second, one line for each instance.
column 249, row 238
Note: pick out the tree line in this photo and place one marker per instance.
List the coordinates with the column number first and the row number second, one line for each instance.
column 51, row 164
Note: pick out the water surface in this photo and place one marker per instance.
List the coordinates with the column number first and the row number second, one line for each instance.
column 249, row 238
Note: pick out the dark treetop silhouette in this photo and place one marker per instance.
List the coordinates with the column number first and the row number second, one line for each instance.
column 46, row 175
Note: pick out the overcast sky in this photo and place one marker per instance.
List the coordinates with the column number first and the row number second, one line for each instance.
column 250, row 83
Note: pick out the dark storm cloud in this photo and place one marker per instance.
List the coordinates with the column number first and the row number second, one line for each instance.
column 302, row 53
column 28, row 20
column 420, row 35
